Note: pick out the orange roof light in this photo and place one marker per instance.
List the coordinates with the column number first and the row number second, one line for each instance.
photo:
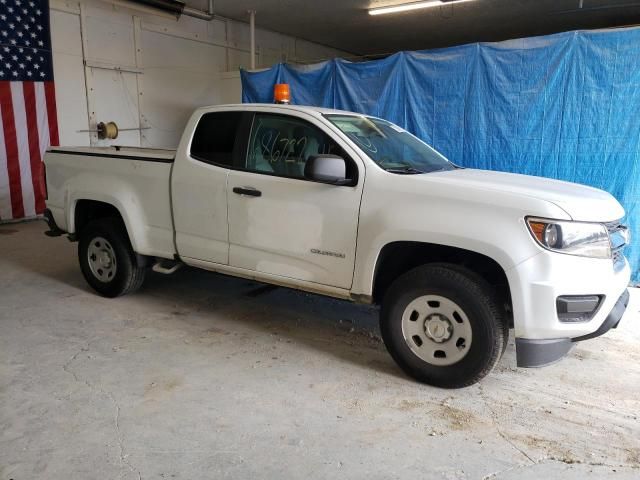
column 281, row 93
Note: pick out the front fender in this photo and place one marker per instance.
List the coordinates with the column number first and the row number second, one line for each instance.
column 395, row 209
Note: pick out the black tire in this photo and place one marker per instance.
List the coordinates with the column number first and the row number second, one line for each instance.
column 499, row 301
column 127, row 275
column 489, row 331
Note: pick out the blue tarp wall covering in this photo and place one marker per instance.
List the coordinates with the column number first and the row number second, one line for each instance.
column 564, row 106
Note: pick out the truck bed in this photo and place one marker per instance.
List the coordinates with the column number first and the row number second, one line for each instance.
column 136, row 181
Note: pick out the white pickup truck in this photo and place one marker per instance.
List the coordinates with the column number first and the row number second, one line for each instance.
column 354, row 207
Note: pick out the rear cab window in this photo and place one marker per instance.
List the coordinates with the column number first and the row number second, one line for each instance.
column 214, row 140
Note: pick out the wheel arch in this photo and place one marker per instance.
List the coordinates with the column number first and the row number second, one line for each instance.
column 84, row 210
column 397, row 258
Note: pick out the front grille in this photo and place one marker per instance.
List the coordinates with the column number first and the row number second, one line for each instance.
column 617, row 234
column 618, row 260
column 614, row 227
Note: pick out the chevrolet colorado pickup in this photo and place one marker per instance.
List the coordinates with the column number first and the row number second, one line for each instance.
column 354, row 207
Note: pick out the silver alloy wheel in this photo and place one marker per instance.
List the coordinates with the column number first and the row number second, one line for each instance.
column 102, row 259
column 437, row 330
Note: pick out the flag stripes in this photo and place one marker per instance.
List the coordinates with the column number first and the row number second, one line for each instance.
column 28, row 127
column 5, row 189
column 11, row 150
column 35, row 159
column 50, row 92
column 28, row 121
column 22, row 137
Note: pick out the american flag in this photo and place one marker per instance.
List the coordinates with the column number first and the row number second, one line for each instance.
column 28, row 123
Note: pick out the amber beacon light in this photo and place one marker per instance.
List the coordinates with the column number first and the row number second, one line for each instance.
column 281, row 93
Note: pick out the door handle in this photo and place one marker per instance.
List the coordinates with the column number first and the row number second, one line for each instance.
column 252, row 192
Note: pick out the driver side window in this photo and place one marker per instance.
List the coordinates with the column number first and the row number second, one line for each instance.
column 281, row 145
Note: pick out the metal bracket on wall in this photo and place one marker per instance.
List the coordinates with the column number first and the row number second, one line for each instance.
column 110, row 66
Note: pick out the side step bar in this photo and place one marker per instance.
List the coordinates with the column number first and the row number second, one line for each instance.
column 166, row 267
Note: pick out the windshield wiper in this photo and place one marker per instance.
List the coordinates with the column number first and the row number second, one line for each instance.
column 404, row 170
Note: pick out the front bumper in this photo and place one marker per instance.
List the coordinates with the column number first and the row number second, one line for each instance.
column 536, row 284
column 538, row 353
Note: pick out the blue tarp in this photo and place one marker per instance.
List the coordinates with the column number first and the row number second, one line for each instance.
column 564, row 106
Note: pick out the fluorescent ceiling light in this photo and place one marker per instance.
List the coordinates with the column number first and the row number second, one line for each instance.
column 405, row 7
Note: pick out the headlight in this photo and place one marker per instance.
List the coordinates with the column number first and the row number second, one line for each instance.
column 573, row 238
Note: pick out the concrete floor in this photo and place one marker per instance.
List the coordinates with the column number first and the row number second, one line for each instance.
column 202, row 376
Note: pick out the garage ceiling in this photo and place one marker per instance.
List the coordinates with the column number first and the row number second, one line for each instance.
column 346, row 25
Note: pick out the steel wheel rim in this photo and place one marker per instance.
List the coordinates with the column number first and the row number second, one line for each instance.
column 102, row 259
column 436, row 330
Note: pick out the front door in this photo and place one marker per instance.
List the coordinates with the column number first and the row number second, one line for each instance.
column 283, row 224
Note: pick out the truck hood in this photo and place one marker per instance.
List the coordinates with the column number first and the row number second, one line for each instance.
column 581, row 203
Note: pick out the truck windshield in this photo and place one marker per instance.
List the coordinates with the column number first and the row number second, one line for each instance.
column 390, row 146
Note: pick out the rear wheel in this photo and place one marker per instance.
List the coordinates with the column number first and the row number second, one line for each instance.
column 442, row 325
column 107, row 259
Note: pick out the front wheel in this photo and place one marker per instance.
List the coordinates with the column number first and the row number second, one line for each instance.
column 107, row 260
column 442, row 325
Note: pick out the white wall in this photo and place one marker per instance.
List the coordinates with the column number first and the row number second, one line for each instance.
column 148, row 71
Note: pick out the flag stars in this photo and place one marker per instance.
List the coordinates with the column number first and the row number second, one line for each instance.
column 22, row 24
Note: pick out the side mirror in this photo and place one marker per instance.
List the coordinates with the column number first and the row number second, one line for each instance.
column 327, row 169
